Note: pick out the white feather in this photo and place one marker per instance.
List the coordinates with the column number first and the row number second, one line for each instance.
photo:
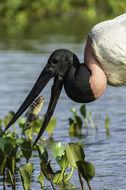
column 109, row 47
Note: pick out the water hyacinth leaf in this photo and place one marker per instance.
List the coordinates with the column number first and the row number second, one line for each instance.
column 74, row 111
column 58, row 149
column 83, row 111
column 74, row 153
column 41, row 179
column 11, row 114
column 11, row 160
column 71, row 121
column 3, row 162
column 26, row 148
column 21, row 123
column 43, row 154
column 6, row 121
column 51, row 126
column 36, row 125
column 87, row 170
column 29, row 134
column 57, row 174
column 81, row 144
column 73, row 129
column 7, row 144
column 59, row 152
column 2, row 142
column 79, row 122
column 26, row 173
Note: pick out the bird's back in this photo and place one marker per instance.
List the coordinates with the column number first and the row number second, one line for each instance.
column 109, row 48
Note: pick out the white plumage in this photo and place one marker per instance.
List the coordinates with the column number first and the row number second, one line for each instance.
column 109, row 48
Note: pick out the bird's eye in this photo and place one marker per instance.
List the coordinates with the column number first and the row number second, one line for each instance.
column 55, row 61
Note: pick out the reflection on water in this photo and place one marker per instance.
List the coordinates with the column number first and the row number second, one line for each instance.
column 21, row 61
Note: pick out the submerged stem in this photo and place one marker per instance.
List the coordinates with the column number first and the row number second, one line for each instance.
column 82, row 185
column 89, row 185
column 69, row 175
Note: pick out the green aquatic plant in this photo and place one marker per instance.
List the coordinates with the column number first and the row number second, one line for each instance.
column 26, row 174
column 107, row 120
column 59, row 152
column 75, row 123
column 46, row 170
column 91, row 121
column 8, row 149
column 26, row 148
column 83, row 112
column 76, row 158
column 12, row 148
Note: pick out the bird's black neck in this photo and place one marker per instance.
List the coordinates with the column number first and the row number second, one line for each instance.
column 77, row 83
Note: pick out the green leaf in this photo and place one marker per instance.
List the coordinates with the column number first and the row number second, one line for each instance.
column 57, row 174
column 29, row 133
column 26, row 148
column 26, row 173
column 74, row 153
column 36, row 125
column 81, row 144
column 21, row 123
column 11, row 161
column 51, row 126
column 3, row 162
column 43, row 154
column 41, row 179
column 87, row 170
column 74, row 111
column 107, row 122
column 79, row 122
column 11, row 114
column 7, row 146
column 6, row 121
column 83, row 111
column 59, row 152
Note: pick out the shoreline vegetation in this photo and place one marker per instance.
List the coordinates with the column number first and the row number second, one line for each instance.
column 19, row 15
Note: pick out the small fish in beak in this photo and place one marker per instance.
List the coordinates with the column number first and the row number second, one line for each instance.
column 33, row 111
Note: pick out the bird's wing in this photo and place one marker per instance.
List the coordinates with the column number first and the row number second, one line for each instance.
column 109, row 48
column 109, row 40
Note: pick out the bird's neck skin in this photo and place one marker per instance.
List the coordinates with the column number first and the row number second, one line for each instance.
column 98, row 79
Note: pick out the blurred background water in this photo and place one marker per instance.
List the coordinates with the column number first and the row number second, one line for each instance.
column 22, row 57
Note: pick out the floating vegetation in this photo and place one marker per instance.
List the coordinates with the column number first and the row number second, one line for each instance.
column 14, row 146
column 77, row 122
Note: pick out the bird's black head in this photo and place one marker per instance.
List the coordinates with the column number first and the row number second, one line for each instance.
column 60, row 62
column 61, row 65
column 57, row 66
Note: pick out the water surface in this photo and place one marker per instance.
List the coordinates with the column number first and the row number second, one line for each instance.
column 21, row 61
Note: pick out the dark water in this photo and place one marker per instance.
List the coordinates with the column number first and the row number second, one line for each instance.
column 21, row 60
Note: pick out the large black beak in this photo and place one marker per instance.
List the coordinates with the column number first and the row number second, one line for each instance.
column 55, row 93
column 41, row 82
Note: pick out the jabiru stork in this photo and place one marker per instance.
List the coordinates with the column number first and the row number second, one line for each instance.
column 104, row 63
